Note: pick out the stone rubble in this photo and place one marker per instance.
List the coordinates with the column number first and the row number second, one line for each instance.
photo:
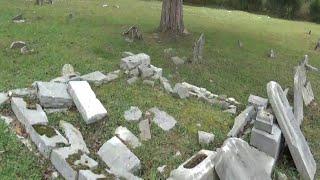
column 163, row 119
column 144, row 127
column 241, row 121
column 127, row 137
column 205, row 138
column 133, row 114
column 257, row 101
column 198, row 49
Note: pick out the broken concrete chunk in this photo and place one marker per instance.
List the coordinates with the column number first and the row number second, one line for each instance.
column 144, row 127
column 241, row 121
column 307, row 94
column 162, row 119
column 126, row 54
column 290, row 127
column 205, row 138
column 74, row 137
column 181, row 90
column 134, row 61
column 117, row 156
column 199, row 166
column 53, row 95
column 145, row 71
column 89, row 175
column 86, row 101
column 17, row 45
column 3, row 98
column 257, row 101
column 85, row 160
column 96, row 77
column 264, row 121
column 133, row 114
column 236, row 159
column 127, row 137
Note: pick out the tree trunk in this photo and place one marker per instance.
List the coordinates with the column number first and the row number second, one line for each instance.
column 172, row 17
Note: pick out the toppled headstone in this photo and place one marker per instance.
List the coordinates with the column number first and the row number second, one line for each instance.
column 133, row 114
column 53, row 95
column 162, row 119
column 307, row 94
column 144, row 127
column 117, row 156
column 86, row 101
column 89, row 175
column 126, row 54
column 67, row 70
column 241, row 121
column 181, row 90
column 257, row 101
column 96, row 77
column 198, row 48
column 300, row 79
column 264, row 121
column 290, row 127
column 205, row 138
column 132, row 34
column 127, row 137
column 17, row 45
column 3, row 98
column 74, row 137
column 134, row 61
column 236, row 159
column 199, row 166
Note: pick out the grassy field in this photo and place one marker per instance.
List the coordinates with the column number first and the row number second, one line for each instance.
column 92, row 40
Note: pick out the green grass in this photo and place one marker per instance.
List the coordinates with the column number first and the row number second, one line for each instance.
column 92, row 40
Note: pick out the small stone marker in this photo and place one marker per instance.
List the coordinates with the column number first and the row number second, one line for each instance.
column 205, row 138
column 198, row 48
column 144, row 127
column 133, row 114
column 162, row 119
column 257, row 101
column 67, row 70
column 127, row 137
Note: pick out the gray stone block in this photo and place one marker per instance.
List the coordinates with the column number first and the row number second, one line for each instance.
column 264, row 121
column 133, row 114
column 127, row 137
column 134, row 61
column 163, row 119
column 144, row 127
column 205, row 138
column 74, row 136
column 241, row 121
column 96, row 77
column 257, row 101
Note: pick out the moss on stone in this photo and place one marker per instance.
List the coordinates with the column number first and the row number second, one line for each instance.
column 45, row 130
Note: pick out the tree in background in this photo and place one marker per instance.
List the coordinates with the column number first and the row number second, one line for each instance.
column 172, row 17
column 315, row 10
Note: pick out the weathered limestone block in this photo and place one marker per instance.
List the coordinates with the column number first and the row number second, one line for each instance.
column 133, row 114
column 257, row 101
column 205, row 138
column 53, row 95
column 127, row 137
column 96, row 77
column 162, row 119
column 117, row 156
column 236, row 159
column 200, row 167
column 181, row 90
column 24, row 92
column 86, row 101
column 264, row 121
column 89, row 175
column 270, row 143
column 134, row 61
column 300, row 79
column 307, row 94
column 241, row 121
column 144, row 127
column 74, row 137
column 290, row 127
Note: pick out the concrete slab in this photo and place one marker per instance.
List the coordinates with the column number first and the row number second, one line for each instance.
column 134, row 61
column 144, row 127
column 74, row 136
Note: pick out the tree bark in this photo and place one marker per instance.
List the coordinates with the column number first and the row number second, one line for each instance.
column 172, row 17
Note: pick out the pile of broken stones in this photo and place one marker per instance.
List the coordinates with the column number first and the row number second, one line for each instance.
column 236, row 159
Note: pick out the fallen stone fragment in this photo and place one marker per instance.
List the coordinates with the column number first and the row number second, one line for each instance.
column 28, row 117
column 198, row 48
column 232, row 109
column 236, row 159
column 85, row 160
column 270, row 143
column 86, row 101
column 290, row 127
column 53, row 95
column 7, row 119
column 264, row 121
column 181, row 91
column 17, row 45
column 205, row 138
column 89, row 175
column 162, row 119
column 257, row 101
column 3, row 98
column 127, row 137
column 112, row 76
column 307, row 94
column 145, row 71
column 144, row 127
column 300, row 79
column 177, row 60
column 117, row 156
column 46, row 138
column 24, row 92
column 126, row 54
column 67, row 70
column 161, row 169
column 241, row 121
column 134, row 61
column 132, row 80
column 133, row 114
column 74, row 137
column 96, row 77
column 166, row 85
column 148, row 82
column 199, row 166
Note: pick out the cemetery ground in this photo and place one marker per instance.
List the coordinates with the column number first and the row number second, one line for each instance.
column 88, row 36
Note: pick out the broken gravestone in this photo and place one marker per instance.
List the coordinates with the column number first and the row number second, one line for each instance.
column 67, row 70
column 198, row 48
column 241, row 121
column 300, row 79
column 162, row 119
column 127, row 137
column 144, row 127
column 132, row 34
column 133, row 114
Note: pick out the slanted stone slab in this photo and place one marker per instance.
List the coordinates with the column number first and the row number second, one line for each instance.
column 270, row 143
column 28, row 117
column 53, row 95
column 46, row 138
column 290, row 127
column 236, row 159
column 181, row 90
column 112, row 76
column 89, row 175
column 300, row 79
column 241, row 121
column 74, row 137
column 133, row 114
column 199, row 166
column 144, row 127
column 3, row 98
column 163, row 119
column 127, row 137
column 134, row 61
column 205, row 138
column 257, row 101
column 96, row 77
column 264, row 121
column 307, row 94
column 24, row 92
column 117, row 156
column 84, row 98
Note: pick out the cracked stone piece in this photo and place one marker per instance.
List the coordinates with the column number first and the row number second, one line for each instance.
column 46, row 138
column 144, row 127
column 307, row 94
column 126, row 54
column 132, row 80
column 257, row 101
column 17, row 45
column 290, row 127
column 24, row 92
column 112, row 76
column 199, row 166
column 3, row 98
column 300, row 79
column 166, row 85
column 241, row 120
column 53, row 95
column 85, row 160
column 264, row 121
column 67, row 70
column 270, row 143
column 145, row 71
column 163, row 119
column 157, row 71
column 236, row 159
column 134, row 61
column 96, row 77
column 117, row 156
column 86, row 101
column 89, row 175
column 28, row 117
column 133, row 114
column 74, row 137
column 127, row 137
column 205, row 138
column 181, row 90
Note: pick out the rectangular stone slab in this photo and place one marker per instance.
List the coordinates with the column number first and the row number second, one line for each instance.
column 85, row 99
column 241, row 120
column 290, row 127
